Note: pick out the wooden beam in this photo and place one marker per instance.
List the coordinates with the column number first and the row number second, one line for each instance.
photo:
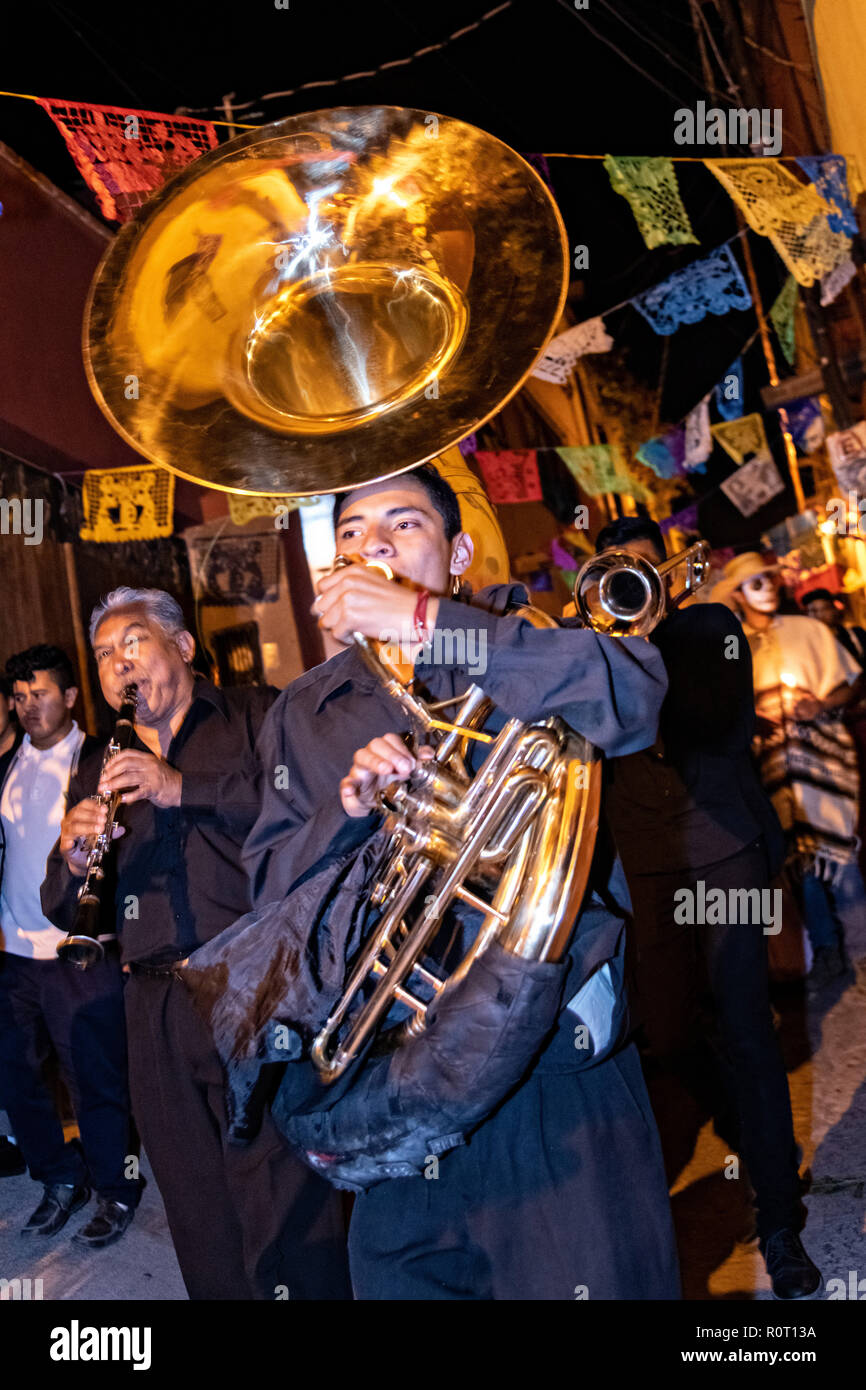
column 81, row 649
column 811, row 383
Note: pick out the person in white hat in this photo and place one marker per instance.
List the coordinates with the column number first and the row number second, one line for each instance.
column 803, row 680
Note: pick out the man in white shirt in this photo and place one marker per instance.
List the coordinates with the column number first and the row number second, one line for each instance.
column 12, row 1165
column 44, row 1000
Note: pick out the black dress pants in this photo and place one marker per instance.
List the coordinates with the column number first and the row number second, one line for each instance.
column 560, row 1195
column 247, row 1222
column 676, row 967
column 80, row 1013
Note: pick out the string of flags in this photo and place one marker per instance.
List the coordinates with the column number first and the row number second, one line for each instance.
column 810, row 225
column 125, row 155
column 137, row 504
column 712, row 284
column 591, row 335
column 512, row 475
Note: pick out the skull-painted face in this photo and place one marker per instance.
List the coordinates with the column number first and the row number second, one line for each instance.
column 761, row 592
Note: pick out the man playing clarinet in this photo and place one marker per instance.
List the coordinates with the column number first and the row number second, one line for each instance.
column 247, row 1223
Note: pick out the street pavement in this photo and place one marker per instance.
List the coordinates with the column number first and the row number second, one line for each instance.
column 141, row 1265
column 824, row 1045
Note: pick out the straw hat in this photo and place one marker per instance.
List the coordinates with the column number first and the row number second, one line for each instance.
column 737, row 571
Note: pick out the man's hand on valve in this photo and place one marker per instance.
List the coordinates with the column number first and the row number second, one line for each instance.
column 359, row 599
column 383, row 761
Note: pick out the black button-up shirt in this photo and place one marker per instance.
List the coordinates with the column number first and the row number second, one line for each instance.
column 177, row 878
column 609, row 689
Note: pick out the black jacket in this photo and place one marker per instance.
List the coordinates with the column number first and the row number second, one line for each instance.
column 179, row 878
column 695, row 798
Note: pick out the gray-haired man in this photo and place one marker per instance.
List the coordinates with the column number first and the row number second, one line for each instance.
column 246, row 1222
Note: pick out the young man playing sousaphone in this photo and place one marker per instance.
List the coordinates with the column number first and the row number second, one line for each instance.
column 560, row 1193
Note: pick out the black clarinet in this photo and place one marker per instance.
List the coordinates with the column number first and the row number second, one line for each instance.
column 82, row 946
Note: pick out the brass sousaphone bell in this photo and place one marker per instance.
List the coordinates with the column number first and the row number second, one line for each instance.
column 326, row 301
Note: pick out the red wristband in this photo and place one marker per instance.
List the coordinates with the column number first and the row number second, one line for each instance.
column 419, row 618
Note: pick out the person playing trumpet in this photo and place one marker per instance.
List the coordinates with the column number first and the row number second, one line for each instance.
column 690, row 818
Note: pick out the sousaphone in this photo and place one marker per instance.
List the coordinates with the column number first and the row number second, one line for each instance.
column 326, row 301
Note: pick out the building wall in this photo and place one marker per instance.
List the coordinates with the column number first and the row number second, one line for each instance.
column 49, row 250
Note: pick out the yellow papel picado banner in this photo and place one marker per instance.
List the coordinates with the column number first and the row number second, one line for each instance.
column 741, row 438
column 127, row 504
column 244, row 508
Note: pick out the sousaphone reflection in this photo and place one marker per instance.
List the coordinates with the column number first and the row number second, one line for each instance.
column 326, row 301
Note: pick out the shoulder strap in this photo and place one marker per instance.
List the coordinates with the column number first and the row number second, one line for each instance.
column 73, row 766
column 76, row 756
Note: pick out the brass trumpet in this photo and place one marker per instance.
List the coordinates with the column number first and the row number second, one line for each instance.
column 624, row 595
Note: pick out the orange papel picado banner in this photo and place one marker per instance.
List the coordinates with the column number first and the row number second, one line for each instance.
column 124, row 155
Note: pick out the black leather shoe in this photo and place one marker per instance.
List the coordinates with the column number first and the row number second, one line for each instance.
column 59, row 1201
column 107, row 1224
column 12, row 1165
column 791, row 1272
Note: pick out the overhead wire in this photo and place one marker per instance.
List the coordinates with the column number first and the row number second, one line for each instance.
column 64, row 17
column 698, row 13
column 665, row 53
column 579, row 14
column 372, row 72
column 504, row 116
column 777, row 57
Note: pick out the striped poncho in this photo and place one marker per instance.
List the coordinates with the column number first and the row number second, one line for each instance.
column 809, row 768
